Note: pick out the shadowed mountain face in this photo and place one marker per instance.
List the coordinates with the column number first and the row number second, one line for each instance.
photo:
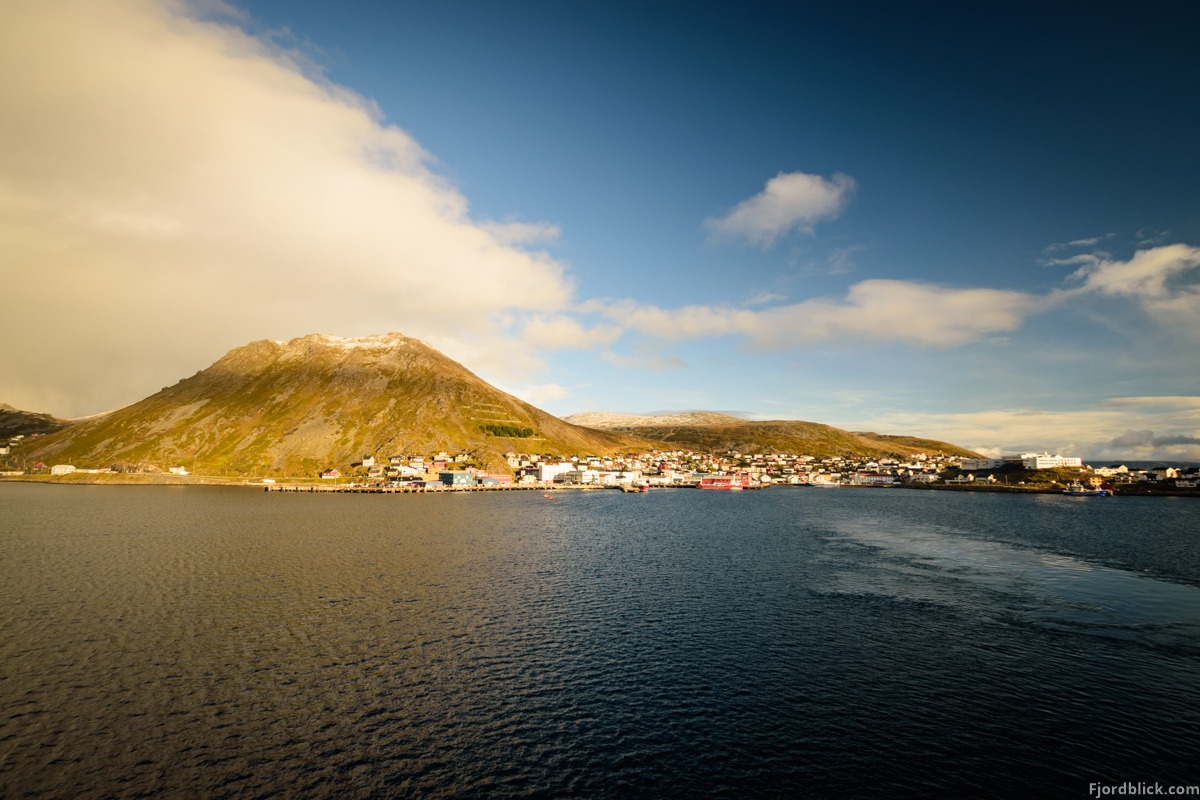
column 297, row 407
column 709, row 431
column 14, row 422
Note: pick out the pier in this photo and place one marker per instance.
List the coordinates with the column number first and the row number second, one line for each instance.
column 445, row 489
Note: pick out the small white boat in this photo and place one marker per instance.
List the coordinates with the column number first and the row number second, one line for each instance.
column 1077, row 489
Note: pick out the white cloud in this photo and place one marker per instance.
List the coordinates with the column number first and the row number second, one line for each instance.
column 566, row 333
column 1176, row 404
column 1123, row 428
column 537, row 394
column 1161, row 280
column 880, row 310
column 1146, row 275
column 916, row 313
column 688, row 322
column 790, row 201
column 171, row 187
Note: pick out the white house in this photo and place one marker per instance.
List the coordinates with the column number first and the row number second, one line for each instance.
column 1108, row 472
column 62, row 469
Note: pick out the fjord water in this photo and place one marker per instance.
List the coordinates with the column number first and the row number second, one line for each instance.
column 205, row 642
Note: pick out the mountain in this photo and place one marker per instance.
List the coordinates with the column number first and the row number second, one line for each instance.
column 710, row 431
column 14, row 422
column 297, row 407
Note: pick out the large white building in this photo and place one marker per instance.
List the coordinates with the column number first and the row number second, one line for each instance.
column 1027, row 460
column 547, row 472
column 1043, row 460
column 970, row 464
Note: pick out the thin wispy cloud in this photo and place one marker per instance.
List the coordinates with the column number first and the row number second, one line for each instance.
column 1090, row 241
column 516, row 233
column 791, row 201
column 765, row 298
column 1076, row 260
column 644, row 359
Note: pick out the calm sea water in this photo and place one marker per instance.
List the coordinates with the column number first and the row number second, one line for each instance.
column 196, row 642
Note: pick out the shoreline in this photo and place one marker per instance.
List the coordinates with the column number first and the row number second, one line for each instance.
column 296, row 486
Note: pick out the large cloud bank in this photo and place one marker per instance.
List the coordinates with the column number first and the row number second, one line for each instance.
column 171, row 186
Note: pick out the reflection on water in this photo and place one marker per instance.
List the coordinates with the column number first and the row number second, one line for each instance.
column 166, row 642
column 944, row 565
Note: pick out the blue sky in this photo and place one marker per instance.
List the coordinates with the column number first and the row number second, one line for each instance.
column 975, row 224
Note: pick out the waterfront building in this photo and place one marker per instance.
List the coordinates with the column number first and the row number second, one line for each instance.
column 548, row 472
column 874, row 478
column 457, row 478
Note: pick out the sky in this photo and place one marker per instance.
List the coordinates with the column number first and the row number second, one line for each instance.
column 970, row 222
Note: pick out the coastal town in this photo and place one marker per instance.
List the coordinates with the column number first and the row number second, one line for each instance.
column 686, row 468
column 683, row 469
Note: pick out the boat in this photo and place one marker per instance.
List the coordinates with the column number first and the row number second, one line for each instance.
column 726, row 483
column 1077, row 489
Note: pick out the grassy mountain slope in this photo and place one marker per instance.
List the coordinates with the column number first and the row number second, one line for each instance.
column 294, row 408
column 708, row 431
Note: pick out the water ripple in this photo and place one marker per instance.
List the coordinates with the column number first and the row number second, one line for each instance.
column 233, row 644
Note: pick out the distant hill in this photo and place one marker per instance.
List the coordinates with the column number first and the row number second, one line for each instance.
column 297, row 407
column 14, row 422
column 606, row 420
column 709, row 431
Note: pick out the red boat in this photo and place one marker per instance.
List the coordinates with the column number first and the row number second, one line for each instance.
column 725, row 483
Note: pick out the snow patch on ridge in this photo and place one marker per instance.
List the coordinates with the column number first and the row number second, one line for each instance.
column 379, row 341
